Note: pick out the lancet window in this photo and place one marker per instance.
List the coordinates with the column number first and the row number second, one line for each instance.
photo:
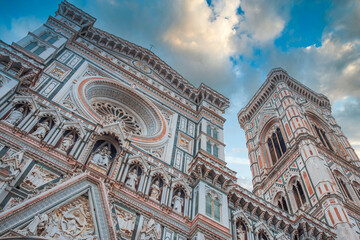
column 213, row 207
column 281, row 203
column 343, row 186
column 35, row 48
column 48, row 37
column 323, row 138
column 299, row 194
column 262, row 236
column 276, row 145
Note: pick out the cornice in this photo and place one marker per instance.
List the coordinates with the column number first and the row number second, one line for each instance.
column 262, row 95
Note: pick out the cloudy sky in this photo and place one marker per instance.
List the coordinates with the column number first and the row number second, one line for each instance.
column 231, row 45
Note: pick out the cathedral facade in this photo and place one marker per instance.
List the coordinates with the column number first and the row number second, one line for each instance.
column 101, row 139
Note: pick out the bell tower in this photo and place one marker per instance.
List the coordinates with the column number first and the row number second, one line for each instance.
column 299, row 157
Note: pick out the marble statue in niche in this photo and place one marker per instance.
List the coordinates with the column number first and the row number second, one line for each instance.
column 126, row 222
column 67, row 142
column 102, row 156
column 132, row 179
column 178, row 202
column 155, row 191
column 71, row 221
column 42, row 130
column 15, row 116
column 241, row 235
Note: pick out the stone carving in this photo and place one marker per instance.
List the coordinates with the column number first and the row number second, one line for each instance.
column 126, row 222
column 72, row 221
column 102, row 156
column 10, row 166
column 37, row 177
column 150, row 230
column 178, row 202
column 241, row 234
column 12, row 203
column 15, row 116
column 132, row 179
column 67, row 142
column 41, row 130
column 155, row 191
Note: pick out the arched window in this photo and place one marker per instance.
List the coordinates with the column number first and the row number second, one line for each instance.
column 276, row 146
column 343, row 187
column 216, row 150
column 281, row 203
column 52, row 40
column 217, row 209
column 31, row 46
column 323, row 138
column 208, row 130
column 215, row 134
column 39, row 50
column 208, row 146
column 213, row 207
column 45, row 35
column 299, row 194
column 208, row 205
column 262, row 236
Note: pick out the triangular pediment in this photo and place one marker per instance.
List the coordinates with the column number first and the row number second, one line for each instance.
column 71, row 210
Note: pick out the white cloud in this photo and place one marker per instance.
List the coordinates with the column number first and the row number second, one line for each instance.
column 19, row 28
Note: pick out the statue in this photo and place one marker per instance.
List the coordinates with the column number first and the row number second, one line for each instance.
column 42, row 130
column 67, row 142
column 126, row 221
column 15, row 116
column 102, row 157
column 178, row 202
column 148, row 230
column 37, row 177
column 36, row 226
column 241, row 234
column 132, row 179
column 155, row 191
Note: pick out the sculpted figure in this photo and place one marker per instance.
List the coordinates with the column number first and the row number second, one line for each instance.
column 41, row 130
column 155, row 191
column 148, row 230
column 15, row 116
column 132, row 180
column 36, row 226
column 126, row 221
column 102, row 157
column 36, row 178
column 67, row 142
column 241, row 234
column 178, row 202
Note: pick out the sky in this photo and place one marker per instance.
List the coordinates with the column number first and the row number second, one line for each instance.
column 231, row 46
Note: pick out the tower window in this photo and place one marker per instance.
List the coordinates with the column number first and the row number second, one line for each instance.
column 276, row 146
column 299, row 194
column 52, row 40
column 208, row 130
column 323, row 138
column 344, row 188
column 45, row 35
column 208, row 147
column 31, row 46
column 213, row 207
column 39, row 50
column 215, row 134
column 216, row 151
column 282, row 204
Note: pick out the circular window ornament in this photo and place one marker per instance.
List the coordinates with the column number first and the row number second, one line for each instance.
column 109, row 102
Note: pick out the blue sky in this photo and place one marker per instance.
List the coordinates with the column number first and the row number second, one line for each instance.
column 231, row 46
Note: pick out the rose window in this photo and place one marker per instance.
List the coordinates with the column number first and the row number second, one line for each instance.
column 112, row 113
